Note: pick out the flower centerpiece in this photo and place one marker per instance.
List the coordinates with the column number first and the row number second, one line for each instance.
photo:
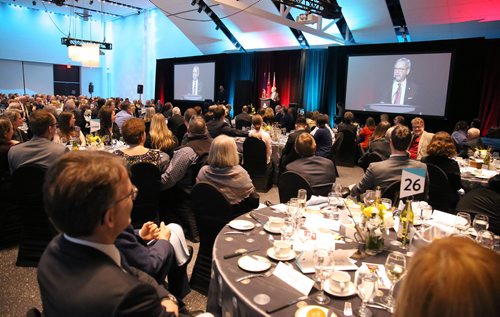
column 94, row 141
column 376, row 220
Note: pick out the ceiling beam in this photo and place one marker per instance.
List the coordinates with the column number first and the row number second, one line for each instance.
column 279, row 19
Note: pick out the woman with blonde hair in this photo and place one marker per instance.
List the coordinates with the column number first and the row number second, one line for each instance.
column 68, row 131
column 224, row 172
column 451, row 277
column 160, row 136
column 148, row 116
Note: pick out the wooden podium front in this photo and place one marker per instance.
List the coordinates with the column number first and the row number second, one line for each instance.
column 265, row 102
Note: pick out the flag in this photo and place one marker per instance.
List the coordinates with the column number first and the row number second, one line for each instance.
column 274, row 79
column 268, row 87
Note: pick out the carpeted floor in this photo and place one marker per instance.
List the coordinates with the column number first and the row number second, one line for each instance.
column 19, row 289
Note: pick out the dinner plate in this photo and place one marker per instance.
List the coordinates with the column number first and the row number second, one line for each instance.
column 272, row 255
column 302, row 312
column 268, row 229
column 241, row 225
column 254, row 263
column 348, row 291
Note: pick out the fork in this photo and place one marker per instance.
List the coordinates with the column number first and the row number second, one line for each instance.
column 237, row 232
column 266, row 274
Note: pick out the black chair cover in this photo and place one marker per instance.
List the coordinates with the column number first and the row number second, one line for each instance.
column 288, row 185
column 255, row 162
column 146, row 177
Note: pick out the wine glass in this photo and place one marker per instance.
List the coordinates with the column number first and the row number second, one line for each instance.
column 425, row 214
column 303, row 233
column 366, row 286
column 486, row 239
column 481, row 222
column 287, row 230
column 369, row 197
column 462, row 222
column 323, row 267
column 338, row 189
column 302, row 197
column 395, row 267
column 293, row 207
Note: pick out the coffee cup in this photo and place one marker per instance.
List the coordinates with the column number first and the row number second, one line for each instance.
column 282, row 248
column 339, row 281
column 275, row 223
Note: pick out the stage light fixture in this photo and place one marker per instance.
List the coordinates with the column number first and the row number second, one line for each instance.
column 34, row 3
column 193, row 2
column 91, row 2
column 200, row 8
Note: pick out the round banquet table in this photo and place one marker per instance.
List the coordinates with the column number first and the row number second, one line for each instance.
column 227, row 297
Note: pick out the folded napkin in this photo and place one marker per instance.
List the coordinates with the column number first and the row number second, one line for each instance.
column 280, row 207
column 316, row 200
column 178, row 241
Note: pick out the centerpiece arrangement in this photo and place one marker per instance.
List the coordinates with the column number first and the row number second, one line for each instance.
column 94, row 141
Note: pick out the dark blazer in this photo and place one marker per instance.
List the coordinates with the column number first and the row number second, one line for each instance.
column 243, row 116
column 77, row 280
column 323, row 139
column 316, row 170
column 349, row 127
column 289, row 154
column 174, row 122
column 483, row 201
column 380, row 146
column 218, row 127
column 470, row 145
column 411, row 93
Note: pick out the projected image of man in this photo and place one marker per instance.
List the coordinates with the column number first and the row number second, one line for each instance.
column 403, row 91
column 196, row 85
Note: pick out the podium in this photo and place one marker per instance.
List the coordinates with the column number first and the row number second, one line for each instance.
column 267, row 102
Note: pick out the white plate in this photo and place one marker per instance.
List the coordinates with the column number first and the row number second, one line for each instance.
column 242, row 225
column 348, row 291
column 254, row 263
column 272, row 255
column 302, row 312
column 266, row 227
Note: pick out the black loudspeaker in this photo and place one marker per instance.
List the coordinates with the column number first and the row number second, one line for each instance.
column 243, row 95
column 139, row 89
column 91, row 88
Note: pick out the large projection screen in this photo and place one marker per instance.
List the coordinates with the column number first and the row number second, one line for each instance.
column 194, row 81
column 373, row 83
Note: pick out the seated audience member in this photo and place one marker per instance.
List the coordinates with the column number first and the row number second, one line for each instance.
column 160, row 137
column 420, row 139
column 311, row 119
column 68, row 131
column 475, row 123
column 316, row 170
column 287, row 120
column 90, row 210
column 243, row 119
column 289, row 154
column 158, row 251
column 40, row 150
column 473, row 142
column 484, row 200
column 134, row 134
column 452, row 276
column 440, row 152
column 398, row 120
column 459, row 135
column 379, row 142
column 218, row 126
column 176, row 120
column 384, row 117
column 268, row 116
column 322, row 137
column 109, row 129
column 258, row 133
column 188, row 114
column 224, row 172
column 366, row 132
column 6, row 142
column 347, row 123
column 126, row 113
column 148, row 116
column 386, row 172
column 17, row 121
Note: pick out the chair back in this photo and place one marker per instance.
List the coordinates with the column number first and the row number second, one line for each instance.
column 37, row 230
column 439, row 188
column 255, row 163
column 212, row 212
column 146, row 177
column 289, row 184
column 181, row 130
column 369, row 158
column 243, row 123
column 346, row 154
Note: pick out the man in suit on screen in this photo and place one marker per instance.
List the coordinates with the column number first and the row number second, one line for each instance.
column 402, row 91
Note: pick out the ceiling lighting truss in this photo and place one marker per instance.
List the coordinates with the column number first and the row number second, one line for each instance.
column 328, row 9
column 68, row 41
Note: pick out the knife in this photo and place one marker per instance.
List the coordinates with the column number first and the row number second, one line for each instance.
column 235, row 254
column 254, row 217
column 270, row 311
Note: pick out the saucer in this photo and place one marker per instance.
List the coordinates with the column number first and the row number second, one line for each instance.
column 254, row 263
column 268, row 229
column 272, row 255
column 241, row 225
column 303, row 311
column 348, row 291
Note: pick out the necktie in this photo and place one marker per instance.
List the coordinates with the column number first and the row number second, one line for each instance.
column 397, row 96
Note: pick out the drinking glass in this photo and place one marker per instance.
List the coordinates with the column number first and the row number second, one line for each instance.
column 366, row 286
column 486, row 239
column 64, row 141
column 293, row 208
column 338, row 189
column 302, row 232
column 395, row 267
column 462, row 222
column 481, row 222
column 323, row 267
column 287, row 230
column 425, row 214
column 302, row 197
column 369, row 197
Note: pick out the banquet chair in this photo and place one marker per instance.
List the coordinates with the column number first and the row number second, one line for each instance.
column 440, row 190
column 289, row 184
column 181, row 130
column 369, row 158
column 34, row 312
column 10, row 220
column 339, row 138
column 255, row 163
column 346, row 155
column 146, row 177
column 37, row 230
column 243, row 123
column 212, row 212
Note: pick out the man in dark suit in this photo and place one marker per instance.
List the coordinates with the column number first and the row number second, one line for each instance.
column 175, row 121
column 243, row 119
column 89, row 198
column 386, row 172
column 289, row 154
column 403, row 91
column 218, row 125
column 316, row 170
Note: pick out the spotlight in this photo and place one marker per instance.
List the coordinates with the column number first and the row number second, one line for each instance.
column 34, row 3
column 193, row 2
column 200, row 8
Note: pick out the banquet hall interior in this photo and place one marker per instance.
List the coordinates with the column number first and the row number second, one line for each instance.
column 332, row 57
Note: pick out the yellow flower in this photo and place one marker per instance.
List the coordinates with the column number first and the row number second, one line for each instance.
column 368, row 211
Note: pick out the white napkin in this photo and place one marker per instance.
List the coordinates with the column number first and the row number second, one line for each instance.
column 178, row 241
column 280, row 207
column 316, row 200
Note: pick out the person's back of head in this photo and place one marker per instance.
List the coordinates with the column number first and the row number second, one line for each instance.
column 305, row 145
column 399, row 120
column 476, row 123
column 401, row 138
column 300, row 123
column 473, row 133
column 257, row 122
column 188, row 114
column 494, row 183
column 126, row 106
column 100, row 102
column 321, row 121
column 219, row 112
column 451, row 277
column 133, row 131
column 197, row 126
column 384, row 117
column 176, row 111
column 380, row 130
column 348, row 117
column 76, row 202
column 223, row 152
column 5, row 129
column 40, row 121
column 69, row 105
column 370, row 122
column 244, row 109
column 461, row 126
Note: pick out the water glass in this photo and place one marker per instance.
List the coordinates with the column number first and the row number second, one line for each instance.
column 486, row 238
column 481, row 222
column 462, row 222
column 287, row 230
column 366, row 286
column 323, row 267
column 302, row 197
column 368, row 197
column 293, row 208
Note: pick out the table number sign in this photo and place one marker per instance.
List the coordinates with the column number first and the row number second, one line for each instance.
column 412, row 182
column 94, row 125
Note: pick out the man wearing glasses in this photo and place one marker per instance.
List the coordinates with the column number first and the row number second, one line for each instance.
column 89, row 199
column 402, row 91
